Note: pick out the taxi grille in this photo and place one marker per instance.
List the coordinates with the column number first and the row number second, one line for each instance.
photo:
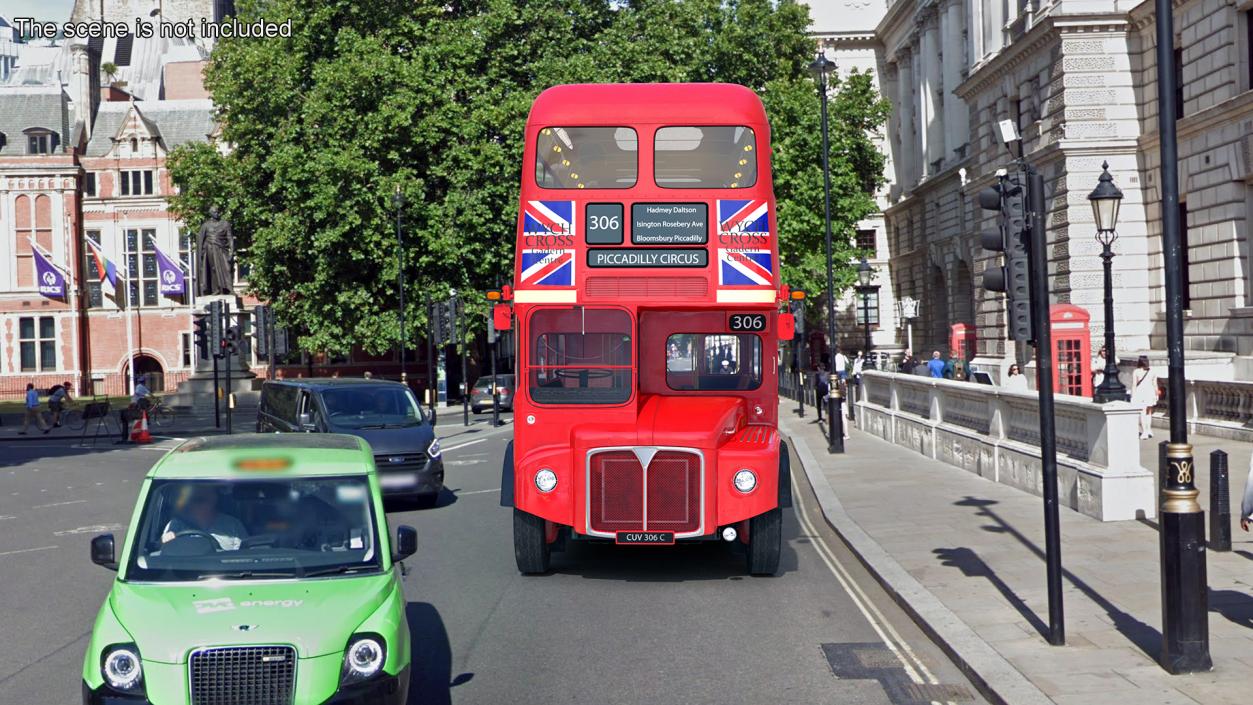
column 624, row 497
column 243, row 675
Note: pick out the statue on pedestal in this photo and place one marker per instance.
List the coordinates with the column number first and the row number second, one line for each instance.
column 216, row 243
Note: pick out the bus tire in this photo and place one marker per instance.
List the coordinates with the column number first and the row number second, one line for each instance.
column 785, row 476
column 506, row 477
column 765, row 542
column 530, row 545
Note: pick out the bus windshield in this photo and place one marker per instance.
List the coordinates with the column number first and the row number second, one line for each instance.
column 586, row 157
column 580, row 355
column 713, row 361
column 705, row 157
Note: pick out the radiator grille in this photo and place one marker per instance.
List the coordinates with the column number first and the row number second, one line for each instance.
column 674, row 492
column 617, row 492
column 243, row 675
column 622, row 496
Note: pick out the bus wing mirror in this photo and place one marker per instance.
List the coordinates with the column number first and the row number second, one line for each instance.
column 502, row 317
column 787, row 326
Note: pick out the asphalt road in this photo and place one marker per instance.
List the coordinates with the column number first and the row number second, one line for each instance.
column 609, row 625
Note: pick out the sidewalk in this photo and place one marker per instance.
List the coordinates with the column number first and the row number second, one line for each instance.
column 965, row 555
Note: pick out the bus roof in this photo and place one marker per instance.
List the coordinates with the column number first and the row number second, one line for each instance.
column 647, row 103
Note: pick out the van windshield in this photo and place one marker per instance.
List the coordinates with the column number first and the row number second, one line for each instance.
column 363, row 407
column 255, row 530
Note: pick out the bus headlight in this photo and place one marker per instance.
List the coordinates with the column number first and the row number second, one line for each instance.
column 546, row 480
column 745, row 480
column 121, row 668
column 363, row 658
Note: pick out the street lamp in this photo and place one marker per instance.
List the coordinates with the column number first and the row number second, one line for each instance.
column 821, row 69
column 398, row 202
column 908, row 308
column 865, row 273
column 1105, row 200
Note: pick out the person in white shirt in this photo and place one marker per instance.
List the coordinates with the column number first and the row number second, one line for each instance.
column 1246, row 506
column 840, row 366
column 1144, row 395
column 198, row 513
column 1015, row 380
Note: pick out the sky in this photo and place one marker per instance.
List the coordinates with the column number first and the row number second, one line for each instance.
column 49, row 10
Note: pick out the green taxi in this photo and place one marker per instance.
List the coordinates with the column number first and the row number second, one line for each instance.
column 257, row 569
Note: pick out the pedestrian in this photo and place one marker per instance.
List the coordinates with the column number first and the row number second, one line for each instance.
column 840, row 368
column 1144, row 394
column 936, row 366
column 139, row 404
column 822, row 387
column 859, row 364
column 1246, row 506
column 1015, row 380
column 368, row 375
column 1098, row 368
column 951, row 370
column 32, row 411
column 908, row 363
column 58, row 397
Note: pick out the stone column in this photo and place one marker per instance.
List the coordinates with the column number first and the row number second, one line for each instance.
column 933, row 88
column 905, row 105
column 956, row 115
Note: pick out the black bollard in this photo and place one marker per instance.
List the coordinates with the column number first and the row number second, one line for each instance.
column 835, row 421
column 1219, row 503
column 1161, row 465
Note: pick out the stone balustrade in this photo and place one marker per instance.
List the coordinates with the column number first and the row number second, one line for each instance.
column 995, row 433
column 1215, row 408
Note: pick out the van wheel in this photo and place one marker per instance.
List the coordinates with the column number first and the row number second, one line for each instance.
column 530, row 547
column 765, row 538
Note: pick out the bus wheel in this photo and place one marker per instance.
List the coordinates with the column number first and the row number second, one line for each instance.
column 530, row 544
column 765, row 538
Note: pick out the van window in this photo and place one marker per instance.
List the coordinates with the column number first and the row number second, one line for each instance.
column 282, row 402
column 371, row 406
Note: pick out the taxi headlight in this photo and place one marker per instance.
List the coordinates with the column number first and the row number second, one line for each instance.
column 433, row 450
column 546, row 480
column 363, row 658
column 745, row 480
column 121, row 668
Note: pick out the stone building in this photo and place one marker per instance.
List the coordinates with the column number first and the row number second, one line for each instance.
column 1078, row 80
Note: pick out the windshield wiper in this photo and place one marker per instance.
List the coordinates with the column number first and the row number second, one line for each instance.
column 246, row 574
column 337, row 570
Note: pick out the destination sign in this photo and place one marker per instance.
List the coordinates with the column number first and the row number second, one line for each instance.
column 669, row 223
column 650, row 257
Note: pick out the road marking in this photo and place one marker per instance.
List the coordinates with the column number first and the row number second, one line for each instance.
column 463, row 445
column 59, row 504
column 7, row 517
column 868, row 609
column 463, row 494
column 26, row 550
column 98, row 529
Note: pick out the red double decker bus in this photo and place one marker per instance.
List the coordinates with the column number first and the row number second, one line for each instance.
column 646, row 298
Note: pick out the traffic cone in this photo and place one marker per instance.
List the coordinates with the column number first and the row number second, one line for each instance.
column 139, row 432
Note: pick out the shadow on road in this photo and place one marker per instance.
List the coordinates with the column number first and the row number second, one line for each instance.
column 395, row 505
column 1145, row 637
column 430, row 677
column 1234, row 605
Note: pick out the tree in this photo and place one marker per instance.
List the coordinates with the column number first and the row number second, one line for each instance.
column 431, row 97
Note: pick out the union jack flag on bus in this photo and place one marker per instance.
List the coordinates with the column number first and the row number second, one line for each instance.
column 547, row 268
column 745, row 268
column 548, row 217
column 744, row 216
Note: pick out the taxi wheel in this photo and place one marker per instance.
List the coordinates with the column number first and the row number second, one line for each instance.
column 530, row 547
column 765, row 538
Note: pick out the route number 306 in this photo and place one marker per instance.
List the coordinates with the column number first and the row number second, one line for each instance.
column 605, row 222
column 747, row 322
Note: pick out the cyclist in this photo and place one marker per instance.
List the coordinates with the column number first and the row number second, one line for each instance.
column 139, row 402
column 57, row 399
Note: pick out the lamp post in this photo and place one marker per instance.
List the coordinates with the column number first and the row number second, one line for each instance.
column 1105, row 200
column 1185, row 595
column 908, row 309
column 398, row 202
column 865, row 274
column 822, row 68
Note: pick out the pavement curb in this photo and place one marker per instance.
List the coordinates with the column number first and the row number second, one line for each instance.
column 995, row 678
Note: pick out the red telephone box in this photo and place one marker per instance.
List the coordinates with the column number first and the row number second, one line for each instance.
column 1072, row 350
column 961, row 341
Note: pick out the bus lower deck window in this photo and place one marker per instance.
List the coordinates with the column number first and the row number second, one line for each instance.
column 705, row 157
column 586, row 157
column 580, row 355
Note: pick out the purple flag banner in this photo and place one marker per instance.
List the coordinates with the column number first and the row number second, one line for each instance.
column 50, row 279
column 173, row 281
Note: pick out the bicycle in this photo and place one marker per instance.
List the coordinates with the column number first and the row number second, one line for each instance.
column 160, row 413
column 72, row 416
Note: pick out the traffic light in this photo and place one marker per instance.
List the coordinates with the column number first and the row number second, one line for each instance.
column 1010, row 237
column 262, row 330
column 437, row 323
column 216, row 323
column 200, row 334
column 230, row 339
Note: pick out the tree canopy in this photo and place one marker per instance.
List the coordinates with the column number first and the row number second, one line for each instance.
column 430, row 97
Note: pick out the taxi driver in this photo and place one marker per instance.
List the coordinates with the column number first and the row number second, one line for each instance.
column 197, row 511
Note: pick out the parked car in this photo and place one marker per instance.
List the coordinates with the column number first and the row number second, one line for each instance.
column 481, row 393
column 386, row 414
column 256, row 568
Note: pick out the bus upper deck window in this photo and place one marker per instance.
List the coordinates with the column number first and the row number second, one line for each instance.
column 586, row 157
column 705, row 157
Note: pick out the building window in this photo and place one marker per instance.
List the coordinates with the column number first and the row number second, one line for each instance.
column 137, row 182
column 141, row 266
column 866, row 241
column 868, row 308
column 1248, row 49
column 42, row 142
column 1178, row 82
column 89, row 184
column 95, row 295
column 1184, row 267
column 37, row 337
column 185, row 346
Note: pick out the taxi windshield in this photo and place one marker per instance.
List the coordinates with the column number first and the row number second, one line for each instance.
column 381, row 406
column 255, row 529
